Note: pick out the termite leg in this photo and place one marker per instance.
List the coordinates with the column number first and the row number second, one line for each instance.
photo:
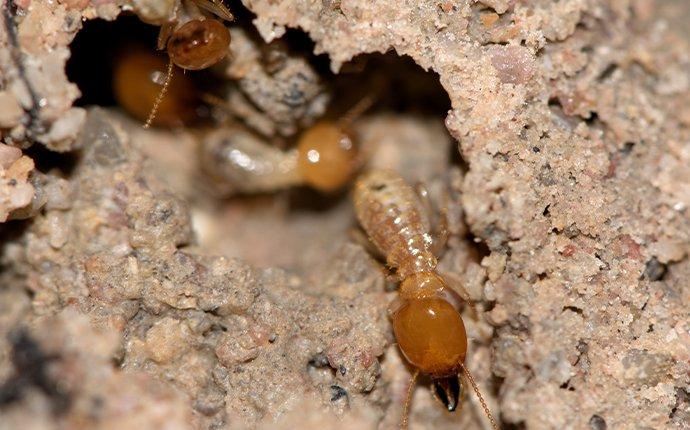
column 360, row 238
column 457, row 286
column 216, row 7
column 163, row 35
column 394, row 277
column 440, row 235
column 439, row 232
column 423, row 193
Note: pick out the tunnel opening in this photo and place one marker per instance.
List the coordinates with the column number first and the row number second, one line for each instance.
column 407, row 104
column 96, row 50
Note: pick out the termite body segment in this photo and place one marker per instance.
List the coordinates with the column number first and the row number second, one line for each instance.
column 240, row 162
column 426, row 316
column 389, row 211
column 325, row 158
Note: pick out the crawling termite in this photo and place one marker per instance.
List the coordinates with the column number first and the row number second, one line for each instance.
column 426, row 315
column 193, row 41
column 325, row 158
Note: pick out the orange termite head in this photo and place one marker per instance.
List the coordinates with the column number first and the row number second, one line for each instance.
column 430, row 332
column 328, row 151
column 328, row 156
column 196, row 45
column 199, row 43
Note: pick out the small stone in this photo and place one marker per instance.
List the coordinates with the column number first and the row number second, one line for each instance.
column 167, row 340
column 8, row 155
column 19, row 170
column 10, row 110
column 513, row 64
column 155, row 12
column 489, row 18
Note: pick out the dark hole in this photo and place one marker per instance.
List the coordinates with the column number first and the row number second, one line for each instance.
column 593, row 118
column 597, row 423
column 654, row 270
column 99, row 46
column 29, row 363
column 307, row 199
column 95, row 50
column 607, row 72
column 682, row 396
column 573, row 309
column 397, row 83
column 379, row 187
column 337, row 393
column 627, row 148
column 47, row 161
column 319, row 361
column 571, row 231
column 480, row 246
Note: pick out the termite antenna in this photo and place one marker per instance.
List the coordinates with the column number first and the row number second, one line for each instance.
column 408, row 401
column 159, row 99
column 467, row 373
column 356, row 111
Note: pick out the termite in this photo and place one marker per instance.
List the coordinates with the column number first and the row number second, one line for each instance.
column 194, row 42
column 326, row 157
column 426, row 319
column 137, row 79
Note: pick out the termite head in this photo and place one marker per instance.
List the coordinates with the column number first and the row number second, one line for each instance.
column 430, row 332
column 198, row 44
column 138, row 78
column 328, row 156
